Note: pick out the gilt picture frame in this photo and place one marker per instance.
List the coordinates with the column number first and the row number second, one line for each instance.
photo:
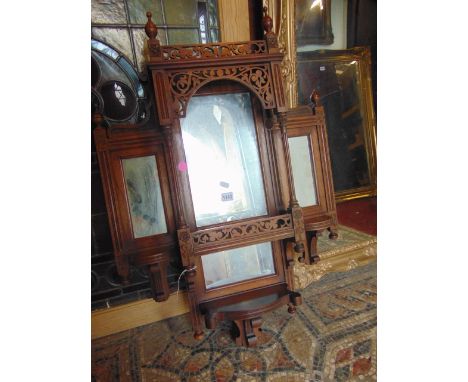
column 343, row 80
column 286, row 21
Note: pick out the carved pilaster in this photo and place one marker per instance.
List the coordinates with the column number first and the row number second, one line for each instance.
column 195, row 315
column 299, row 231
column 180, row 212
column 186, row 252
column 282, row 117
column 185, row 246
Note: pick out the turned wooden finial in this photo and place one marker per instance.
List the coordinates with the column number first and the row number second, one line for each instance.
column 315, row 98
column 267, row 21
column 150, row 28
column 314, row 101
column 270, row 36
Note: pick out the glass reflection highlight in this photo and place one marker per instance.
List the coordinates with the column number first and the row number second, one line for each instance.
column 222, row 156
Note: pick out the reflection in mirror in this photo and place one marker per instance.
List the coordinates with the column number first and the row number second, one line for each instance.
column 144, row 196
column 301, row 163
column 313, row 24
column 234, row 265
column 338, row 84
column 221, row 150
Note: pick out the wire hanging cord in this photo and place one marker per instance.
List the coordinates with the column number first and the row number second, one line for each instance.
column 182, row 273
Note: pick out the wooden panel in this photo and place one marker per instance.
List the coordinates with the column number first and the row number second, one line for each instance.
column 128, row 316
column 234, row 20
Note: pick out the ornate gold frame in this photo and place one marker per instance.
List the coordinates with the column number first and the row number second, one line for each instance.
column 283, row 14
column 362, row 56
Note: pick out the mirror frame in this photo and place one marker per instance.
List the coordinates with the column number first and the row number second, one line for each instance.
column 178, row 72
column 284, row 12
column 362, row 57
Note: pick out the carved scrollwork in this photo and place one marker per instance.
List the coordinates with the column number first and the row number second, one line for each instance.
column 240, row 230
column 218, row 50
column 256, row 77
column 287, row 45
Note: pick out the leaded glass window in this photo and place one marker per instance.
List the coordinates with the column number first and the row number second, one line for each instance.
column 121, row 24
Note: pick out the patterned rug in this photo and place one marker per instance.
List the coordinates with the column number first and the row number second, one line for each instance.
column 332, row 337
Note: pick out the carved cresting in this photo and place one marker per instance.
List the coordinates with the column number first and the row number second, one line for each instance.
column 255, row 64
column 185, row 83
column 216, row 50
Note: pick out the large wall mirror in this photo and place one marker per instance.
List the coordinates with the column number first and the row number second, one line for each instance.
column 342, row 78
column 221, row 150
column 221, row 137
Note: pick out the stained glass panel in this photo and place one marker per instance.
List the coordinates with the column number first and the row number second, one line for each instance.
column 95, row 72
column 108, row 12
column 119, row 101
column 181, row 12
column 214, row 35
column 107, row 50
column 137, row 11
column 183, row 36
column 213, row 13
column 116, row 37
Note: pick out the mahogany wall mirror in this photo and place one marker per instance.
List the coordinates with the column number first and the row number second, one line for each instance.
column 223, row 109
column 210, row 181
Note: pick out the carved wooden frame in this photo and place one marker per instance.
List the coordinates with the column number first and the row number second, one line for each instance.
column 310, row 122
column 178, row 73
column 155, row 251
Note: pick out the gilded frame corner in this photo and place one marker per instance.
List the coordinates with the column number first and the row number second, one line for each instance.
column 287, row 40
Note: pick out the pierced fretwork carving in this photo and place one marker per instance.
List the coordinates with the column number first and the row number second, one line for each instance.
column 276, row 227
column 217, row 50
column 256, row 77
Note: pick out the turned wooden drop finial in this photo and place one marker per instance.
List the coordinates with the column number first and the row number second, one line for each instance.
column 267, row 21
column 150, row 28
